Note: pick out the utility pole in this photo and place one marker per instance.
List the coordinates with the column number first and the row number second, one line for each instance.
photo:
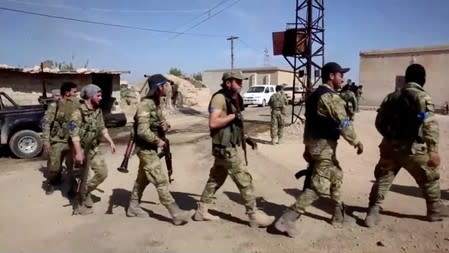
column 232, row 38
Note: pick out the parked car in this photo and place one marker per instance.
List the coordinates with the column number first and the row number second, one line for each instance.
column 259, row 94
column 298, row 93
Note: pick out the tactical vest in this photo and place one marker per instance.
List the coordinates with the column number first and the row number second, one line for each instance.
column 231, row 134
column 319, row 127
column 154, row 122
column 90, row 131
column 63, row 112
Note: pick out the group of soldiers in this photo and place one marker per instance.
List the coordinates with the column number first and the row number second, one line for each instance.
column 75, row 128
column 72, row 131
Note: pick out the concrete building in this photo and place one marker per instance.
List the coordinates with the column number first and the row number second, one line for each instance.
column 25, row 85
column 382, row 71
column 261, row 75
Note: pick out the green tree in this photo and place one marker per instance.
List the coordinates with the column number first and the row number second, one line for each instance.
column 175, row 72
column 198, row 76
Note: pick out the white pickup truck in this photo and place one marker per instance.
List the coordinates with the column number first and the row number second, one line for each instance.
column 259, row 94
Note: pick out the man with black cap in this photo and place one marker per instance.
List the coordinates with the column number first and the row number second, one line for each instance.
column 86, row 129
column 147, row 121
column 410, row 133
column 326, row 120
column 225, row 124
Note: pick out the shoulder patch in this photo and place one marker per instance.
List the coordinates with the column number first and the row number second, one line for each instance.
column 72, row 126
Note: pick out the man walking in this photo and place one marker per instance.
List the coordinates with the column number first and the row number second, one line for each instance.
column 148, row 121
column 226, row 126
column 326, row 120
column 86, row 129
column 410, row 133
column 55, row 135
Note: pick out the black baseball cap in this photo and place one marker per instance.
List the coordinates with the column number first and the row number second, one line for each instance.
column 333, row 67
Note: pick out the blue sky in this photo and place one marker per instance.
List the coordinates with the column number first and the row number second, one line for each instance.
column 351, row 26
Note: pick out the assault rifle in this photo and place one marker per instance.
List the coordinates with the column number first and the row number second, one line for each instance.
column 129, row 150
column 238, row 103
column 164, row 153
column 307, row 173
column 81, row 184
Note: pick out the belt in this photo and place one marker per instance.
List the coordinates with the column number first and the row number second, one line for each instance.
column 223, row 146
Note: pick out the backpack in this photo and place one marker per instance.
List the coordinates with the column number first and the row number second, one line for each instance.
column 398, row 117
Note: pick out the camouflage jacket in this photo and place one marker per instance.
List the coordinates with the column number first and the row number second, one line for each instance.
column 56, row 119
column 147, row 120
column 278, row 100
column 87, row 126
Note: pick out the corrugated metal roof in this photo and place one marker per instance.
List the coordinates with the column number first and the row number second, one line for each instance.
column 400, row 51
column 268, row 68
column 85, row 71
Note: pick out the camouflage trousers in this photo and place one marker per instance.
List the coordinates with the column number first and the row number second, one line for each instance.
column 277, row 124
column 150, row 171
column 226, row 162
column 327, row 175
column 392, row 159
column 98, row 166
column 60, row 151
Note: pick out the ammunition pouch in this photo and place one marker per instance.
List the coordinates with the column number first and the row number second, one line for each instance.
column 221, row 151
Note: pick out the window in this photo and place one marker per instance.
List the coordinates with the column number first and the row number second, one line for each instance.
column 271, row 89
column 256, row 89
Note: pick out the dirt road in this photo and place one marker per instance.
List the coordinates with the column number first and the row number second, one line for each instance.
column 33, row 222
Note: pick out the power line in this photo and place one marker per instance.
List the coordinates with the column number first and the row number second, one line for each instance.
column 204, row 20
column 251, row 47
column 106, row 10
column 205, row 12
column 107, row 24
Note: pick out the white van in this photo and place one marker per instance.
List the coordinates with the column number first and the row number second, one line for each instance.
column 259, row 94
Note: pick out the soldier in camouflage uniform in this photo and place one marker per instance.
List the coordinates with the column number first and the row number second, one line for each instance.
column 418, row 155
column 277, row 103
column 326, row 120
column 55, row 135
column 226, row 126
column 351, row 101
column 86, row 129
column 147, row 120
column 358, row 94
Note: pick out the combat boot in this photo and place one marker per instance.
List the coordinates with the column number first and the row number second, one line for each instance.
column 179, row 217
column 274, row 141
column 83, row 210
column 88, row 201
column 49, row 188
column 373, row 216
column 134, row 210
column 287, row 223
column 339, row 214
column 434, row 211
column 202, row 213
column 260, row 219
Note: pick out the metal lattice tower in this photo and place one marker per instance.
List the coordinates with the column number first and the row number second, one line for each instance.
column 307, row 63
column 266, row 58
